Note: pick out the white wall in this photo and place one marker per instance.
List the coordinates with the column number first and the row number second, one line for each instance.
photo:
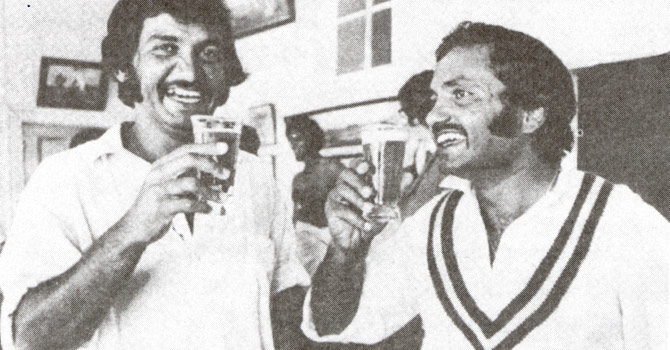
column 293, row 66
column 5, row 189
column 57, row 28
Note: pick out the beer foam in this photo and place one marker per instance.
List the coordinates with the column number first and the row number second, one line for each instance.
column 210, row 123
column 376, row 133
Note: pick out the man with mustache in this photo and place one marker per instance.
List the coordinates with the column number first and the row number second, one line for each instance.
column 110, row 248
column 523, row 254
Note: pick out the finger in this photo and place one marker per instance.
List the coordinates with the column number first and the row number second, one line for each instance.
column 186, row 205
column 406, row 181
column 181, row 186
column 225, row 174
column 360, row 166
column 189, row 187
column 345, row 195
column 430, row 146
column 189, row 161
column 352, row 218
column 211, row 149
column 356, row 182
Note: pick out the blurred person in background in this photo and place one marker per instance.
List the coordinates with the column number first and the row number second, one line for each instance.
column 416, row 99
column 310, row 189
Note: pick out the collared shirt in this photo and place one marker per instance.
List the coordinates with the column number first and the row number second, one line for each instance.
column 597, row 284
column 209, row 289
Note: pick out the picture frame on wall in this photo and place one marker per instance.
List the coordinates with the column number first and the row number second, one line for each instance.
column 342, row 124
column 263, row 118
column 72, row 84
column 253, row 16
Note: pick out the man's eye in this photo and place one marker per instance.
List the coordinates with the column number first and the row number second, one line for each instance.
column 165, row 49
column 461, row 94
column 211, row 54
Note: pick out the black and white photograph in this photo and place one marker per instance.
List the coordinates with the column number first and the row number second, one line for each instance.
column 72, row 84
column 335, row 175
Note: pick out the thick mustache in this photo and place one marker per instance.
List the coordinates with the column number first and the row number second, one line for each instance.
column 439, row 126
column 163, row 87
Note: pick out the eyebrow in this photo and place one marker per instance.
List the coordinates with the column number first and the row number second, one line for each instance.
column 163, row 37
column 455, row 81
column 211, row 41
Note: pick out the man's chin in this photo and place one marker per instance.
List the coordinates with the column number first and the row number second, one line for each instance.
column 451, row 165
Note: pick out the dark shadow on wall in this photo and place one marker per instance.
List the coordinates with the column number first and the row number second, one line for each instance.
column 624, row 113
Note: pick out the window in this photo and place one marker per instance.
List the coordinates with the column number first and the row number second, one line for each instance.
column 363, row 34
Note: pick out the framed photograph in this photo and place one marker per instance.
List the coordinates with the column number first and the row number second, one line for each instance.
column 254, row 16
column 342, row 124
column 72, row 84
column 263, row 119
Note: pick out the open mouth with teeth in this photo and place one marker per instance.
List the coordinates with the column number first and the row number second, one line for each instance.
column 449, row 137
column 449, row 134
column 184, row 96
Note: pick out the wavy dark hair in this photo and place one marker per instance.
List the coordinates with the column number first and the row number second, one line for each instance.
column 303, row 124
column 534, row 77
column 125, row 26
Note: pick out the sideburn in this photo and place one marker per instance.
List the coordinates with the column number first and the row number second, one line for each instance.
column 129, row 90
column 507, row 124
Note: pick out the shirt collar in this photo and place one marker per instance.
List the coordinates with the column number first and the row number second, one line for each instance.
column 565, row 179
column 109, row 143
column 454, row 182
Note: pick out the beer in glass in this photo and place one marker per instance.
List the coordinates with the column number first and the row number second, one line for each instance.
column 214, row 129
column 384, row 149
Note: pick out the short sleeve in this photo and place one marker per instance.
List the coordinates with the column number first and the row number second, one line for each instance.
column 390, row 292
column 288, row 271
column 39, row 246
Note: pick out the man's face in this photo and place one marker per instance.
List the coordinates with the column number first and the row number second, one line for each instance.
column 468, row 99
column 298, row 143
column 181, row 72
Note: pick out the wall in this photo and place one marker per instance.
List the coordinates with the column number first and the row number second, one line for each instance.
column 293, row 66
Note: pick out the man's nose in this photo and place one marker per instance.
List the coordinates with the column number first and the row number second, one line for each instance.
column 185, row 69
column 440, row 112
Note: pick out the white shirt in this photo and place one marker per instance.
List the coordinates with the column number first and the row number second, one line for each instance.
column 206, row 290
column 617, row 300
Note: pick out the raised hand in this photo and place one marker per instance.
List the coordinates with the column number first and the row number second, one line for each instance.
column 345, row 205
column 171, row 188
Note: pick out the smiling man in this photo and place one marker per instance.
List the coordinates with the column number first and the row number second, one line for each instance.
column 523, row 254
column 110, row 248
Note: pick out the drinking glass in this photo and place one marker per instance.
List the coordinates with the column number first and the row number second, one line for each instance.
column 214, row 129
column 384, row 149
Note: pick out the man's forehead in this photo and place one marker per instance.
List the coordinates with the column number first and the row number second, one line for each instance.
column 470, row 64
column 165, row 26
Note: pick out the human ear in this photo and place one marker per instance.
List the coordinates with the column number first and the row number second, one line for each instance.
column 532, row 120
